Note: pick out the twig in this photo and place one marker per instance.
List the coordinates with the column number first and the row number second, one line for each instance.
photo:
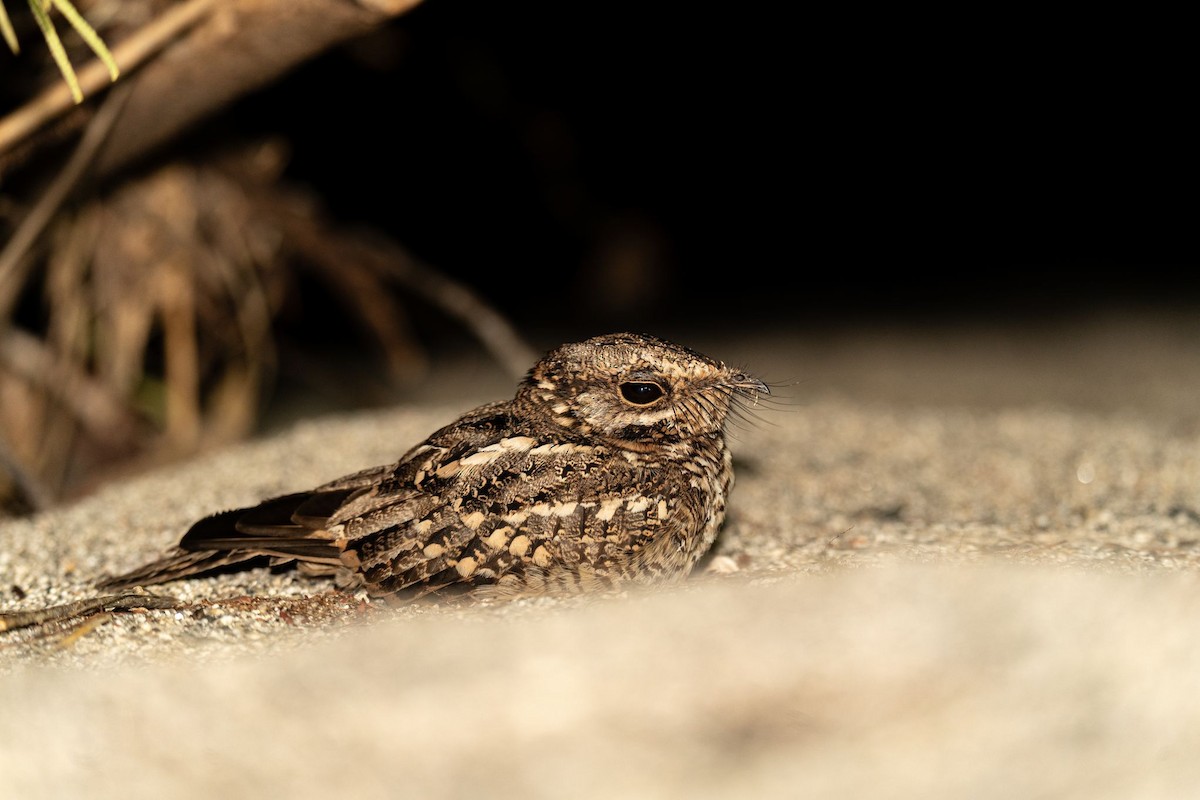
column 129, row 54
column 85, row 627
column 13, row 261
column 491, row 327
column 389, row 259
column 139, row 598
column 375, row 307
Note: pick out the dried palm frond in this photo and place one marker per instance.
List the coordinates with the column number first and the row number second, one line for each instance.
column 158, row 304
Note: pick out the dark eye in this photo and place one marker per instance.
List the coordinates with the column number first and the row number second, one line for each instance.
column 641, row 393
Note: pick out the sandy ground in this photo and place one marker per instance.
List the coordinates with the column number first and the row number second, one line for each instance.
column 958, row 563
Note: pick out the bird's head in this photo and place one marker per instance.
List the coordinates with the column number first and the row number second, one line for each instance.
column 636, row 391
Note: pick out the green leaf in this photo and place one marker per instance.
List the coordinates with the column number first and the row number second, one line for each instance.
column 6, row 28
column 88, row 35
column 56, row 48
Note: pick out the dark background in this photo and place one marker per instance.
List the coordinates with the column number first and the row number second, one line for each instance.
column 597, row 166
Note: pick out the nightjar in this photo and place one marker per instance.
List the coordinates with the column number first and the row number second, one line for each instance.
column 608, row 466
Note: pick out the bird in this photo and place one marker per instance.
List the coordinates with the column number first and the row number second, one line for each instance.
column 609, row 467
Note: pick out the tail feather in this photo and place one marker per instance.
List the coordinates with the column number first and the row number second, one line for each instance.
column 286, row 528
column 175, row 565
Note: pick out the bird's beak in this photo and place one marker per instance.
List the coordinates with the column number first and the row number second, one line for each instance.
column 747, row 383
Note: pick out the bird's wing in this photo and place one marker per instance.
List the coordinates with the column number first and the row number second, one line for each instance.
column 301, row 526
column 285, row 528
column 506, row 509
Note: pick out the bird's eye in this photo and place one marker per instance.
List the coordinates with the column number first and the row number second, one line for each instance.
column 641, row 393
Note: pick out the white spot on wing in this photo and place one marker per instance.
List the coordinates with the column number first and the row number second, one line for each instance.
column 608, row 508
column 637, row 505
column 474, row 519
column 486, row 455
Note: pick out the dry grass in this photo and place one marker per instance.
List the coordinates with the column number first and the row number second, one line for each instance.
column 146, row 326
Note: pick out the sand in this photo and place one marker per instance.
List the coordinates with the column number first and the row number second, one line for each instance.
column 959, row 563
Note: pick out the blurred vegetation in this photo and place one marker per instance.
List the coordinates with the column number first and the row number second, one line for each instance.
column 140, row 304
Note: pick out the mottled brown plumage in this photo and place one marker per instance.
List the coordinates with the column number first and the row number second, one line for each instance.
column 608, row 466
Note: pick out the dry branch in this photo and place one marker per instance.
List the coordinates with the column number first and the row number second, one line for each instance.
column 242, row 46
column 131, row 54
column 339, row 250
column 136, row 599
column 228, row 49
column 101, row 413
